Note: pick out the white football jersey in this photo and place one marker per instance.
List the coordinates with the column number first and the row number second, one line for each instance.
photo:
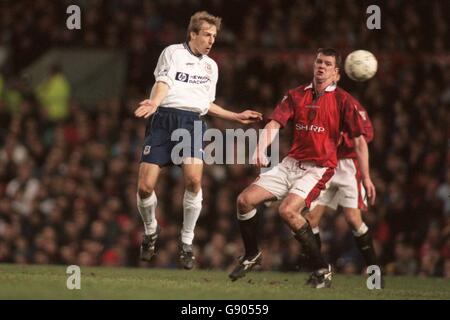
column 191, row 79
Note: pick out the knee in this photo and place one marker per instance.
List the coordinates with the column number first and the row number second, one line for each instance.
column 145, row 189
column 286, row 211
column 193, row 184
column 243, row 203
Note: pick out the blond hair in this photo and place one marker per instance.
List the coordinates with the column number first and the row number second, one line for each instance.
column 197, row 20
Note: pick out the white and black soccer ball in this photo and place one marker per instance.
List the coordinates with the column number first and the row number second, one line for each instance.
column 360, row 65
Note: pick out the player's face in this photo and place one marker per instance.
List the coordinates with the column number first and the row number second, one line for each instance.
column 203, row 41
column 325, row 68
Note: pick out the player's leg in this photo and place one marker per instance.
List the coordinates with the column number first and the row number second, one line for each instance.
column 146, row 204
column 327, row 198
column 270, row 185
column 313, row 217
column 352, row 199
column 307, row 186
column 289, row 210
column 155, row 154
column 192, row 205
column 247, row 202
column 362, row 235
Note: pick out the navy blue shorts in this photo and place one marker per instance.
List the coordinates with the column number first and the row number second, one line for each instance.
column 158, row 144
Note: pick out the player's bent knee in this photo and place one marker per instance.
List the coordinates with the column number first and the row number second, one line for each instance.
column 243, row 203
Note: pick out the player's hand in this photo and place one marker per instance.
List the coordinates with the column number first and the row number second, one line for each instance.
column 260, row 159
column 370, row 190
column 146, row 109
column 249, row 116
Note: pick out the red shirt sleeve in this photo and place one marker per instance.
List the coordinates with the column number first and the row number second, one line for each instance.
column 367, row 124
column 368, row 129
column 284, row 111
column 352, row 119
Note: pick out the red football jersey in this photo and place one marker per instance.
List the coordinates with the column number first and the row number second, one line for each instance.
column 346, row 148
column 318, row 122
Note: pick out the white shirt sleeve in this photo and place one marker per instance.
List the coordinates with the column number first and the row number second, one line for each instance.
column 165, row 68
column 212, row 89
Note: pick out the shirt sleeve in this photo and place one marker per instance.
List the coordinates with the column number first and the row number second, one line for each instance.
column 284, row 111
column 214, row 78
column 367, row 124
column 165, row 68
column 352, row 119
column 368, row 129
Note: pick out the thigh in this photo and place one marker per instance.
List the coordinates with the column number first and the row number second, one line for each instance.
column 274, row 181
column 148, row 174
column 255, row 195
column 310, row 185
column 157, row 144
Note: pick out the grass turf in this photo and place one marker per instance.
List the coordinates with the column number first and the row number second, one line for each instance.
column 49, row 282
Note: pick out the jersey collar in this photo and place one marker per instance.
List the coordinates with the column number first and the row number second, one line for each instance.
column 330, row 87
column 186, row 46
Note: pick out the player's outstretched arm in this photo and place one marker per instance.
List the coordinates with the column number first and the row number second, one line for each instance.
column 246, row 117
column 148, row 107
column 266, row 138
column 362, row 152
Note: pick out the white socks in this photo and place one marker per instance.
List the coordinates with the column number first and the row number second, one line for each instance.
column 192, row 205
column 361, row 230
column 147, row 208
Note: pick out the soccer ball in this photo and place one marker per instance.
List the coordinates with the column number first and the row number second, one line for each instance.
column 361, row 65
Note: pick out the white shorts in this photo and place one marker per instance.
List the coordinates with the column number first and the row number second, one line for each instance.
column 345, row 188
column 304, row 179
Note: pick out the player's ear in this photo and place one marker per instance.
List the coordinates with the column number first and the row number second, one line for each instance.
column 193, row 35
column 337, row 76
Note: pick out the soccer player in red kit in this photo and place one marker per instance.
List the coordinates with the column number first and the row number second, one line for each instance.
column 347, row 189
column 320, row 111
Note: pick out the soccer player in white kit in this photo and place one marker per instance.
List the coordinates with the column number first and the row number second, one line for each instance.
column 184, row 90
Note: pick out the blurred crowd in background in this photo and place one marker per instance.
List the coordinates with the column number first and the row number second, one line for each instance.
column 68, row 173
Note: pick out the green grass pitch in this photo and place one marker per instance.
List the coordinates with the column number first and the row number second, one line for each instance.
column 49, row 282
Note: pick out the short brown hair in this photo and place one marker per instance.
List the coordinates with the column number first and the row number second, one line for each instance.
column 198, row 18
column 331, row 52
